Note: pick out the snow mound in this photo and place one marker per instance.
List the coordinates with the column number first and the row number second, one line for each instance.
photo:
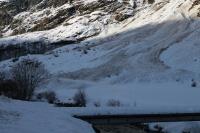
column 22, row 117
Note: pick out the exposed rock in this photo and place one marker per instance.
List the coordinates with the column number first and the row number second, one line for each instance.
column 59, row 17
column 21, row 16
column 121, row 17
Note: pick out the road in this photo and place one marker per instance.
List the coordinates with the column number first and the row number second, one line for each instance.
column 139, row 118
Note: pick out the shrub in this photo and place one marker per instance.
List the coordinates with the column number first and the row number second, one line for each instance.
column 15, row 59
column 9, row 88
column 194, row 83
column 113, row 103
column 158, row 128
column 50, row 96
column 64, row 104
column 97, row 104
column 80, row 98
column 28, row 74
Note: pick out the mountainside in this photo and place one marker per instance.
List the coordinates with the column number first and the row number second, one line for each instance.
column 23, row 16
column 139, row 52
column 54, row 20
column 93, row 49
column 106, row 41
column 55, row 24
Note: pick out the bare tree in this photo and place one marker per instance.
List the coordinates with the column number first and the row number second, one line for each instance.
column 28, row 74
column 9, row 88
column 97, row 104
column 80, row 98
column 113, row 103
column 50, row 96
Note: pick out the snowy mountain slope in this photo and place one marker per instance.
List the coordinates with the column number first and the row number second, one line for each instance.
column 148, row 59
column 130, row 51
column 47, row 15
column 52, row 24
column 140, row 49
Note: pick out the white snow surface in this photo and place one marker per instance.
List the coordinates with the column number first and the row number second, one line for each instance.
column 35, row 117
column 150, row 58
column 147, row 60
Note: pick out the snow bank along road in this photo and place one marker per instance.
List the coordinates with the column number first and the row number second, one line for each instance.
column 36, row 117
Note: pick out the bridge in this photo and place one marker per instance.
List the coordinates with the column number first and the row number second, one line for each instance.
column 138, row 118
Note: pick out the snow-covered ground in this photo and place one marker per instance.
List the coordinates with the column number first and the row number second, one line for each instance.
column 35, row 117
column 148, row 60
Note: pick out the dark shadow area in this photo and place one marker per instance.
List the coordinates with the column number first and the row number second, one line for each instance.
column 145, row 34
column 21, row 47
column 151, row 40
column 8, row 51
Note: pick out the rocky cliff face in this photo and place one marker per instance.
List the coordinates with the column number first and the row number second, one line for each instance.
column 21, row 16
column 109, row 39
column 82, row 19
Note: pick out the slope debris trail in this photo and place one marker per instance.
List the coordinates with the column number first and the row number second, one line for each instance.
column 137, row 51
